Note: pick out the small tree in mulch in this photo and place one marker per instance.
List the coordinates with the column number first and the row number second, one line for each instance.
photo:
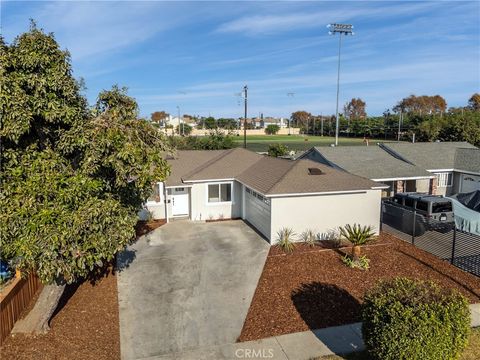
column 357, row 235
column 413, row 319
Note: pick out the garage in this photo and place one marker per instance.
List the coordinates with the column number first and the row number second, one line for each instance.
column 470, row 183
column 257, row 211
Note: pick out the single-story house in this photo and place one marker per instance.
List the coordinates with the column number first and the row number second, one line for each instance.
column 269, row 193
column 376, row 164
column 456, row 165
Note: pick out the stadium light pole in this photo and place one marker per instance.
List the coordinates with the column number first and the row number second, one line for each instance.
column 245, row 90
column 341, row 29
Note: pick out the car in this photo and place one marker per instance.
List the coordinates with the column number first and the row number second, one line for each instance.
column 433, row 212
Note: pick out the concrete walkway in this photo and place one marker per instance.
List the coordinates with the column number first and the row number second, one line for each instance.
column 186, row 286
column 297, row 346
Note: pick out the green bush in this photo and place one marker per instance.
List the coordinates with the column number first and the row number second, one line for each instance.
column 412, row 319
column 272, row 129
column 277, row 150
column 285, row 240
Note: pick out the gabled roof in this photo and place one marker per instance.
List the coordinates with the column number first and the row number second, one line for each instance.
column 227, row 165
column 184, row 161
column 274, row 176
column 467, row 160
column 428, row 155
column 267, row 175
column 371, row 162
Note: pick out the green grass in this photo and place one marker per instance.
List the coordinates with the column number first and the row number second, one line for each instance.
column 472, row 352
column 295, row 142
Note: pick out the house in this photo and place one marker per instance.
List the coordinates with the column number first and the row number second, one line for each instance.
column 374, row 163
column 269, row 193
column 456, row 165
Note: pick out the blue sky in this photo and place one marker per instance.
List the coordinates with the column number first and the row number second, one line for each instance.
column 198, row 55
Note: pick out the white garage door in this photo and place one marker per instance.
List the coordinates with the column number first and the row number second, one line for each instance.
column 257, row 211
column 470, row 183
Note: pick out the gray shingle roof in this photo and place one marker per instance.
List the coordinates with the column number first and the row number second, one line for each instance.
column 467, row 160
column 371, row 162
column 428, row 155
column 273, row 176
column 267, row 175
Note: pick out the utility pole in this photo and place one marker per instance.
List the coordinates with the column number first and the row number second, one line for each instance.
column 245, row 89
column 179, row 121
column 290, row 95
column 341, row 29
column 321, row 126
column 400, row 120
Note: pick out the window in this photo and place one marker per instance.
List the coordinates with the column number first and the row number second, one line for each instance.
column 444, row 179
column 441, row 207
column 219, row 193
column 422, row 205
column 157, row 193
column 258, row 196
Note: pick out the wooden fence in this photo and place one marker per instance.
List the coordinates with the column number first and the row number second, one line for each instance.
column 14, row 298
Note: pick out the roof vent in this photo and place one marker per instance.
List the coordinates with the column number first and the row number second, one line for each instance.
column 315, row 171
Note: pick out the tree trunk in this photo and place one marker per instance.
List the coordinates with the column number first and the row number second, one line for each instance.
column 37, row 320
column 356, row 251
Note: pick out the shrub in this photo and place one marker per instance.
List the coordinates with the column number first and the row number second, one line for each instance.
column 357, row 235
column 184, row 129
column 362, row 263
column 277, row 150
column 309, row 237
column 272, row 129
column 286, row 238
column 412, row 319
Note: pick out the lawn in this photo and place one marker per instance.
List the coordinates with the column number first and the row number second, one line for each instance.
column 472, row 352
column 295, row 142
column 310, row 290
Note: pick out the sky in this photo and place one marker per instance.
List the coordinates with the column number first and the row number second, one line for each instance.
column 199, row 55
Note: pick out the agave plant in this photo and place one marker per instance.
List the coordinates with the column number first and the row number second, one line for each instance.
column 285, row 239
column 358, row 235
column 309, row 237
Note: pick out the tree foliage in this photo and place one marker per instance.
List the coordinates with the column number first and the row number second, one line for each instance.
column 422, row 105
column 355, row 109
column 474, row 102
column 272, row 129
column 159, row 116
column 277, row 149
column 300, row 118
column 184, row 129
column 73, row 178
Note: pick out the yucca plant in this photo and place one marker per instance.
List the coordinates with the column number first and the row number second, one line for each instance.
column 309, row 237
column 285, row 239
column 358, row 235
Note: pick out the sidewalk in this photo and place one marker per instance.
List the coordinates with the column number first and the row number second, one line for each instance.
column 297, row 346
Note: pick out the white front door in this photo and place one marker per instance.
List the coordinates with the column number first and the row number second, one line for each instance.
column 180, row 205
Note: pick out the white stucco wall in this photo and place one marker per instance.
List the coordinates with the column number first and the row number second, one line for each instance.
column 323, row 213
column 202, row 210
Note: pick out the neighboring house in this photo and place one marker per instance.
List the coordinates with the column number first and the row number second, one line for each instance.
column 376, row 164
column 281, row 122
column 267, row 192
column 456, row 165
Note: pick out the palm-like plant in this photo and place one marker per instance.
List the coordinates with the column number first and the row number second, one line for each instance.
column 285, row 240
column 358, row 235
column 309, row 237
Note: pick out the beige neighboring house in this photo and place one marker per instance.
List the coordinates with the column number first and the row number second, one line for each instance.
column 269, row 193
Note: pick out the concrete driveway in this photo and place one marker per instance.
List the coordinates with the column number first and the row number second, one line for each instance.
column 186, row 286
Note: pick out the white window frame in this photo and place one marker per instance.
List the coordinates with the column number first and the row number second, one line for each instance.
column 160, row 193
column 443, row 179
column 219, row 193
column 257, row 195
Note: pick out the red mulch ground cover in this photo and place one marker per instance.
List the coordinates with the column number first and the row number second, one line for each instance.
column 314, row 289
column 144, row 227
column 87, row 327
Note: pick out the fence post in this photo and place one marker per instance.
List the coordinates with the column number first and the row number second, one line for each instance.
column 453, row 244
column 413, row 226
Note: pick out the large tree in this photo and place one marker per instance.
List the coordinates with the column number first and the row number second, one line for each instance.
column 300, row 118
column 474, row 102
column 422, row 105
column 73, row 178
column 355, row 109
column 159, row 116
